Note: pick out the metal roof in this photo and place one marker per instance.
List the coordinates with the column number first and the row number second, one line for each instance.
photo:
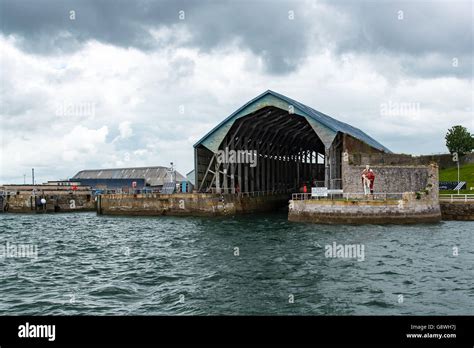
column 325, row 126
column 154, row 176
column 191, row 177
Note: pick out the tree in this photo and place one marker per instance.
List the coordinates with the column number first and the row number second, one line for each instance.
column 458, row 139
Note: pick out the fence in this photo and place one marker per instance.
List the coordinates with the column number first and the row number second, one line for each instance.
column 264, row 193
column 456, row 197
column 212, row 191
column 349, row 195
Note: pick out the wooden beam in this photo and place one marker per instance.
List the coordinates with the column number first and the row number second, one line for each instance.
column 207, row 171
column 217, row 176
column 225, row 169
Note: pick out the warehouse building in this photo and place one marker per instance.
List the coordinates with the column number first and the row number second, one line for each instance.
column 126, row 179
column 275, row 143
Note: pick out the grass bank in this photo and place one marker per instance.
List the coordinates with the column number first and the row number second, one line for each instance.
column 466, row 173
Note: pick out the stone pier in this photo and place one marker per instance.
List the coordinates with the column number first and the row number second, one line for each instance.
column 463, row 211
column 412, row 207
column 27, row 203
column 407, row 210
column 189, row 204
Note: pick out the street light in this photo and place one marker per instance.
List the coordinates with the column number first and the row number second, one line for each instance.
column 456, row 159
column 171, row 172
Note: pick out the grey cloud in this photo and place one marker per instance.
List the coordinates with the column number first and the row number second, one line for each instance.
column 262, row 27
column 45, row 26
column 438, row 65
column 426, row 26
column 440, row 28
column 426, row 40
column 181, row 67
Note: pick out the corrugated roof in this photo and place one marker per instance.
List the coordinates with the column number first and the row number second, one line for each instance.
column 323, row 119
column 154, row 176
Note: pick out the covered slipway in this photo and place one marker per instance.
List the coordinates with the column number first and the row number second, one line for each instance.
column 295, row 145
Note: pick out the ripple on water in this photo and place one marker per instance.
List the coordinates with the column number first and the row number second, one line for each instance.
column 104, row 265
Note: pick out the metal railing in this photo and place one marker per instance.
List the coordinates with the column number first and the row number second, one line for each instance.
column 333, row 183
column 375, row 195
column 445, row 197
column 348, row 195
column 212, row 191
column 250, row 193
column 308, row 196
column 127, row 192
column 263, row 193
column 301, row 196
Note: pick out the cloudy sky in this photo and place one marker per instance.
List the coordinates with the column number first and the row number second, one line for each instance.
column 102, row 83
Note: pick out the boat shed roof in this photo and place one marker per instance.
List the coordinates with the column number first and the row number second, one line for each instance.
column 325, row 126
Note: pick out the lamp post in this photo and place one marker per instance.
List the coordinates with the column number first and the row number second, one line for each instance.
column 456, row 159
column 172, row 179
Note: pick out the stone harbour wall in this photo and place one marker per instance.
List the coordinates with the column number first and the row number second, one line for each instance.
column 443, row 160
column 388, row 178
column 405, row 211
column 413, row 207
column 187, row 204
column 27, row 203
column 457, row 211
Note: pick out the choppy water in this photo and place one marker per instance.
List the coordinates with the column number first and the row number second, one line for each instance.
column 90, row 264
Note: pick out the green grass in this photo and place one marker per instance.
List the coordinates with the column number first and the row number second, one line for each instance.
column 466, row 173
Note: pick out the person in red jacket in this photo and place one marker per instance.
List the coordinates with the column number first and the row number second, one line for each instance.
column 368, row 178
column 371, row 177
